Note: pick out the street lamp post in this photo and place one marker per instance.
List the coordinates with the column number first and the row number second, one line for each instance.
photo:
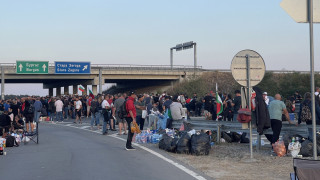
column 184, row 46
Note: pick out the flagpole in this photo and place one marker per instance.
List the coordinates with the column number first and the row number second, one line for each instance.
column 216, row 100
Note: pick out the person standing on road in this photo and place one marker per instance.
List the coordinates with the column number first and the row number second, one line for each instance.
column 236, row 103
column 122, row 122
column 37, row 109
column 131, row 117
column 106, row 108
column 28, row 114
column 66, row 107
column 140, row 106
column 51, row 109
column 95, row 114
column 276, row 109
column 59, row 105
column 78, row 108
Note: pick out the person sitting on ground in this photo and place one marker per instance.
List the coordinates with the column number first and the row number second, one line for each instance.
column 18, row 123
column 176, row 111
column 5, row 123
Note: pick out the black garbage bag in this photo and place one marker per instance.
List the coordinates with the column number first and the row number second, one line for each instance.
column 173, row 147
column 200, row 144
column 226, row 137
column 183, row 145
column 306, row 149
column 187, row 126
column 235, row 137
column 214, row 136
column 166, row 143
column 243, row 138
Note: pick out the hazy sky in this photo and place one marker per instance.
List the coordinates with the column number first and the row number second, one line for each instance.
column 142, row 32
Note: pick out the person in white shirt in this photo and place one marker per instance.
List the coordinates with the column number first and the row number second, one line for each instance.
column 78, row 105
column 106, row 107
column 59, row 105
column 265, row 97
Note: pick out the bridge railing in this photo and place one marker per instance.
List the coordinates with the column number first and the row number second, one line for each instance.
column 125, row 67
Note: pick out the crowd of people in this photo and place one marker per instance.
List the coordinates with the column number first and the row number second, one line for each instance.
column 15, row 114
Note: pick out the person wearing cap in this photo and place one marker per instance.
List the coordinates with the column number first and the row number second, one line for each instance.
column 131, row 117
column 265, row 97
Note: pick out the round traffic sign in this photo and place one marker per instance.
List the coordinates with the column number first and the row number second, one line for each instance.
column 239, row 67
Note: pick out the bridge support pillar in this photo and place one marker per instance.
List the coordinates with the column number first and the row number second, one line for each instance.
column 75, row 89
column 58, row 91
column 50, row 92
column 2, row 83
column 66, row 90
column 85, row 89
column 94, row 89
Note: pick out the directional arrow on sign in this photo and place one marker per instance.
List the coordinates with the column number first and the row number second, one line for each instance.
column 298, row 10
column 20, row 66
column 85, row 67
column 44, row 67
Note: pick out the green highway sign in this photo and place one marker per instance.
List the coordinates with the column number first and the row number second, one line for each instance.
column 32, row 67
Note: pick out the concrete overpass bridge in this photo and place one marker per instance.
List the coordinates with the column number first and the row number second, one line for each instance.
column 132, row 76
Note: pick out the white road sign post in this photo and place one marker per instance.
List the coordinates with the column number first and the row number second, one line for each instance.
column 302, row 11
column 248, row 69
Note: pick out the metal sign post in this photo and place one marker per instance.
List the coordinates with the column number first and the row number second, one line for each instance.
column 248, row 100
column 315, row 155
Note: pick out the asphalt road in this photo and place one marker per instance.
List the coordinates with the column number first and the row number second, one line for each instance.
column 74, row 153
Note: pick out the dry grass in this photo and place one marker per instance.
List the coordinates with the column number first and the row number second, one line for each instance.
column 232, row 161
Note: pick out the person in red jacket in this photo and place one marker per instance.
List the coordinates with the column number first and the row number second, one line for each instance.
column 131, row 117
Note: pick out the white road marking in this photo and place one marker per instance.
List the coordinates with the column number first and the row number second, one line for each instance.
column 84, row 127
column 181, row 167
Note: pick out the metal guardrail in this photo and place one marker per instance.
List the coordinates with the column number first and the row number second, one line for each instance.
column 219, row 126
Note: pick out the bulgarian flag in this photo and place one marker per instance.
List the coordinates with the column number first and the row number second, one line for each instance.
column 91, row 94
column 81, row 88
column 219, row 104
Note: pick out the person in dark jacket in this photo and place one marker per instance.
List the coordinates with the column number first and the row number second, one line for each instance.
column 262, row 114
column 307, row 102
column 5, row 124
column 28, row 113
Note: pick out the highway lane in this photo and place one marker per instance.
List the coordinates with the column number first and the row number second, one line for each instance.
column 70, row 153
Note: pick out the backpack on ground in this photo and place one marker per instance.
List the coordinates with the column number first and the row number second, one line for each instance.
column 11, row 141
column 306, row 113
column 122, row 113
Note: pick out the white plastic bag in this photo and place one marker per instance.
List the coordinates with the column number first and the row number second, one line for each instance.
column 192, row 132
column 25, row 139
column 144, row 114
column 294, row 148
